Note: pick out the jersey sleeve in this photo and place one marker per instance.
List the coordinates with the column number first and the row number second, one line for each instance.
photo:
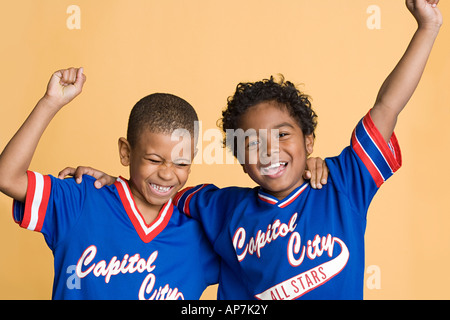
column 362, row 168
column 210, row 205
column 51, row 206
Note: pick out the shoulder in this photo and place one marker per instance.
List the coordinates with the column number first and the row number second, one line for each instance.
column 212, row 190
column 84, row 189
column 368, row 152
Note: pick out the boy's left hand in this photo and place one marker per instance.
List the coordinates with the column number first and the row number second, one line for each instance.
column 317, row 172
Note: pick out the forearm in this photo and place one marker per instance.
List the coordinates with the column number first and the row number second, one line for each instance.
column 17, row 155
column 63, row 87
column 400, row 85
column 403, row 80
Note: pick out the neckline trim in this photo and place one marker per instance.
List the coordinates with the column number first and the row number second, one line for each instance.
column 147, row 232
column 263, row 196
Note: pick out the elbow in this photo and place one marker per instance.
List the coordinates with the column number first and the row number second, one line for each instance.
column 6, row 186
column 4, row 181
column 14, row 188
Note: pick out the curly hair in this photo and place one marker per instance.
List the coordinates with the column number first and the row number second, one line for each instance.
column 249, row 94
column 161, row 113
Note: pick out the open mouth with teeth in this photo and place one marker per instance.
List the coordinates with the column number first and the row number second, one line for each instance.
column 275, row 170
column 161, row 190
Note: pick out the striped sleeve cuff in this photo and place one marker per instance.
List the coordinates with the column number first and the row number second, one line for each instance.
column 31, row 214
column 380, row 158
column 183, row 198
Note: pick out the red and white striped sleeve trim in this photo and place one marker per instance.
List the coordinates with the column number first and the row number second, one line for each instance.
column 183, row 198
column 380, row 158
column 31, row 214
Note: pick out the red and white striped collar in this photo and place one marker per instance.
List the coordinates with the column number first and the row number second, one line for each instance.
column 147, row 232
column 286, row 201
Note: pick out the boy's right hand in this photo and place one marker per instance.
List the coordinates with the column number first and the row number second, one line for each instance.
column 64, row 86
column 103, row 179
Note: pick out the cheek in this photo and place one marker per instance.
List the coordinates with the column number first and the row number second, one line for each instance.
column 296, row 149
column 251, row 156
column 141, row 170
column 182, row 175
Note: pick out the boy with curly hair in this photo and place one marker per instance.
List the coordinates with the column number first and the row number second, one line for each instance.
column 283, row 239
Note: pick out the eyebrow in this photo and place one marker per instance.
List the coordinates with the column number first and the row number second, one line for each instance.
column 153, row 154
column 284, row 124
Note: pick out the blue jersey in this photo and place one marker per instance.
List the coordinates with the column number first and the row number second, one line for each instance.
column 103, row 248
column 309, row 245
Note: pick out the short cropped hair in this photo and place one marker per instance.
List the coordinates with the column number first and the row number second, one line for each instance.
column 161, row 113
column 249, row 94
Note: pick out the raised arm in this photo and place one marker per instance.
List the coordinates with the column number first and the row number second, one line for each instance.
column 400, row 85
column 64, row 85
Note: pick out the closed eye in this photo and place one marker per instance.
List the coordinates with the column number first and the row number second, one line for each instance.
column 181, row 164
column 155, row 161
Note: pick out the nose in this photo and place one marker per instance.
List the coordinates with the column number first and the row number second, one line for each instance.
column 270, row 149
column 165, row 171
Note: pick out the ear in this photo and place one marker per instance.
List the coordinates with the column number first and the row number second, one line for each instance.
column 309, row 144
column 124, row 151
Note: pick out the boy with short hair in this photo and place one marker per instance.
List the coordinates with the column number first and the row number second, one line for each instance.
column 125, row 241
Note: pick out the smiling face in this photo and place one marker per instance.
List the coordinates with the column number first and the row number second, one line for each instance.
column 157, row 173
column 275, row 156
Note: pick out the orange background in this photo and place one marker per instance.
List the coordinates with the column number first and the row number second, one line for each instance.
column 200, row 50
